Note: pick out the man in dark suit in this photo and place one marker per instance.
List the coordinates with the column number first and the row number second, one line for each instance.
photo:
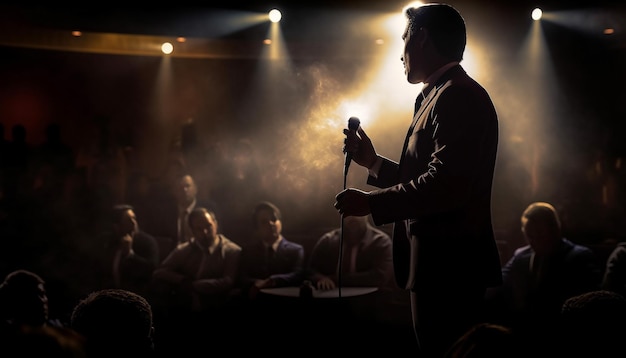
column 366, row 256
column 200, row 274
column 127, row 255
column 439, row 194
column 270, row 260
column 366, row 261
column 540, row 276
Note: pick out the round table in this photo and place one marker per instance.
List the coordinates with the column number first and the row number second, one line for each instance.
column 334, row 293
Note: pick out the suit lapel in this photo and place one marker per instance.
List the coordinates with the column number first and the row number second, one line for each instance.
column 418, row 117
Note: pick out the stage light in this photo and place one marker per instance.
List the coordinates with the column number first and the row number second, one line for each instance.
column 275, row 15
column 536, row 14
column 167, row 48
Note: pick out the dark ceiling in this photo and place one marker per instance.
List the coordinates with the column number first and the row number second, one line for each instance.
column 186, row 19
column 304, row 22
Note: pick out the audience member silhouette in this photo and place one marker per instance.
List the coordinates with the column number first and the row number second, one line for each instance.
column 115, row 323
column 53, row 162
column 200, row 274
column 24, row 301
column 55, row 154
column 593, row 324
column 487, row 340
column 19, row 161
column 3, row 142
column 540, row 276
column 269, row 259
column 4, row 207
column 74, row 211
column 126, row 255
column 4, row 147
column 104, row 160
column 614, row 278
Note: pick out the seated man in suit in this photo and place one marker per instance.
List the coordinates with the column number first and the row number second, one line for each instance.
column 126, row 255
column 270, row 260
column 366, row 262
column 366, row 256
column 542, row 275
column 199, row 275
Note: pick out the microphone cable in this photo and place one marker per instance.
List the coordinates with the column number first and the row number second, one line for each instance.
column 340, row 263
column 353, row 124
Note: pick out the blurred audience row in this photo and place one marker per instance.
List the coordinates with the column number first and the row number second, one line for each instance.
column 170, row 261
column 556, row 297
column 206, row 270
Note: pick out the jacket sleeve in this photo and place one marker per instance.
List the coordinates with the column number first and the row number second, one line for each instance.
column 615, row 273
column 225, row 283
column 294, row 274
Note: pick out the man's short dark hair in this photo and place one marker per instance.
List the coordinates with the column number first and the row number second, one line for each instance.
column 20, row 278
column 446, row 27
column 118, row 211
column 265, row 206
column 114, row 319
column 543, row 213
column 200, row 212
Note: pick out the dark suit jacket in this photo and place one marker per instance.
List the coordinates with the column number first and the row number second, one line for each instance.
column 163, row 222
column 373, row 260
column 212, row 276
column 136, row 269
column 614, row 278
column 439, row 195
column 285, row 267
column 540, row 292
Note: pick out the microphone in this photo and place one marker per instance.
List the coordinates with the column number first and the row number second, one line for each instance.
column 353, row 125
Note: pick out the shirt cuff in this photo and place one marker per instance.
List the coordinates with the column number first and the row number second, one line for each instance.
column 373, row 171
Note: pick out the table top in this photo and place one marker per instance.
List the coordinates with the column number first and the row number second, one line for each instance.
column 294, row 291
